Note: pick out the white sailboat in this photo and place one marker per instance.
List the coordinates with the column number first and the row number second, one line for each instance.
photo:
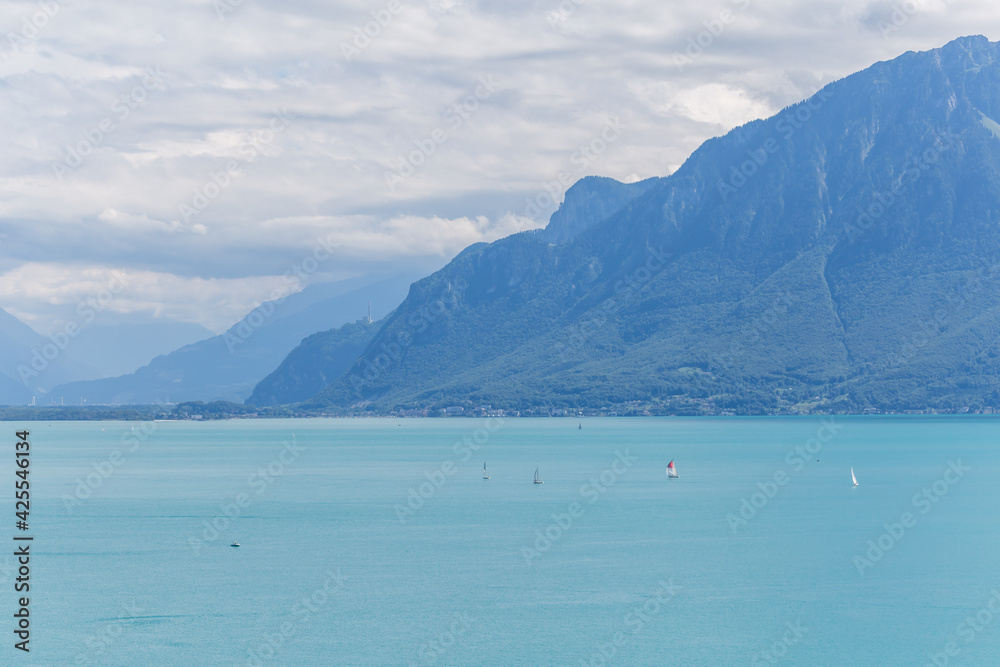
column 853, row 478
column 538, row 480
column 672, row 471
column 485, row 476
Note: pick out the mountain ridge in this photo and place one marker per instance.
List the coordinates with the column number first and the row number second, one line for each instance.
column 886, row 182
column 228, row 366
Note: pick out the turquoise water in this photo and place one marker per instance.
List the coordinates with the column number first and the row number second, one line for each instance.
column 334, row 568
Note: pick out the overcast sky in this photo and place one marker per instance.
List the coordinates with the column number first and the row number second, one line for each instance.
column 118, row 114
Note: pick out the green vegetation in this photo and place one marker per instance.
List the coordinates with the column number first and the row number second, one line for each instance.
column 189, row 410
column 843, row 256
column 316, row 362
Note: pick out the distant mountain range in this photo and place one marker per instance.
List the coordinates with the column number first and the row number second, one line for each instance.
column 228, row 366
column 842, row 255
column 315, row 363
column 30, row 363
column 122, row 348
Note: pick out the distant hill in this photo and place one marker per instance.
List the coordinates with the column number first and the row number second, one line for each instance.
column 31, row 363
column 842, row 255
column 315, row 363
column 591, row 200
column 117, row 349
column 228, row 366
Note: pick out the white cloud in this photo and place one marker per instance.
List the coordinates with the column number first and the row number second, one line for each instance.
column 89, row 294
column 48, row 294
column 711, row 103
column 350, row 121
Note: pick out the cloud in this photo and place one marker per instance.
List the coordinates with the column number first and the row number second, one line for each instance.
column 70, row 294
column 47, row 294
column 82, row 83
column 711, row 103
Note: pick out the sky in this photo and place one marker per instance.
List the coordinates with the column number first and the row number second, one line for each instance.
column 180, row 159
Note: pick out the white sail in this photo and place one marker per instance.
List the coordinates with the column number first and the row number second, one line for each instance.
column 538, row 480
column 485, row 476
column 672, row 470
column 853, row 478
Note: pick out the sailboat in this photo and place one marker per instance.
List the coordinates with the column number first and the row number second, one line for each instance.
column 580, row 427
column 672, row 471
column 853, row 478
column 538, row 480
column 485, row 476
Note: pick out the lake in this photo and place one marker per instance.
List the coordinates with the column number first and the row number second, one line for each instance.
column 378, row 542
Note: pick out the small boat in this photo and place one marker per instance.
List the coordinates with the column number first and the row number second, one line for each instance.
column 672, row 471
column 853, row 478
column 485, row 476
column 235, row 544
column 538, row 480
column 580, row 427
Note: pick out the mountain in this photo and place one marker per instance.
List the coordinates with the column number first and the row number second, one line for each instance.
column 315, row 363
column 841, row 255
column 322, row 358
column 228, row 366
column 31, row 363
column 117, row 349
column 589, row 200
